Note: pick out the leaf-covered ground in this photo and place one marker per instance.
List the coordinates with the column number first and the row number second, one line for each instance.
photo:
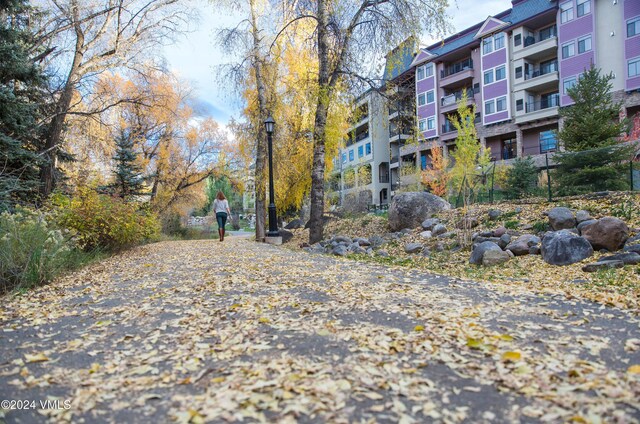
column 202, row 331
column 619, row 287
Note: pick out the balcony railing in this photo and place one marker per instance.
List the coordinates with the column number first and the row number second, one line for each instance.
column 448, row 127
column 542, row 70
column 454, row 97
column 456, row 68
column 543, row 35
column 394, row 159
column 549, row 102
column 384, row 178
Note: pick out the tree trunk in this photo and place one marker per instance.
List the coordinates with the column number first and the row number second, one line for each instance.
column 316, row 224
column 261, row 147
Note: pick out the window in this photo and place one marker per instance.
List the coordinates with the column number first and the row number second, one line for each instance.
column 517, row 39
column 568, row 50
column 422, row 99
column 350, row 155
column 548, row 66
column 501, row 73
column 421, row 74
column 548, row 142
column 498, row 40
column 566, row 12
column 584, row 7
column 489, row 107
column 422, row 125
column 430, row 96
column 429, row 70
column 423, row 161
column 487, row 45
column 367, row 149
column 519, row 72
column 501, row 104
column 634, row 67
column 431, row 123
column 584, row 44
column 360, row 151
column 488, row 77
column 567, row 84
column 633, row 27
column 344, row 158
column 547, row 33
column 519, row 104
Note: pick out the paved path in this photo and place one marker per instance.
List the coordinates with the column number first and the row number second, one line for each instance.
column 205, row 331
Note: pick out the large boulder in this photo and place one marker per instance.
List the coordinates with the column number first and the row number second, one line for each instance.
column 607, row 233
column 479, row 249
column 521, row 246
column 413, row 248
column 286, row 235
column 597, row 266
column 495, row 257
column 409, row 210
column 295, row 224
column 561, row 218
column 564, row 248
column 628, row 258
column 585, row 224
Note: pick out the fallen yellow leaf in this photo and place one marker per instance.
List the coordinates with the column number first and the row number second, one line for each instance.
column 634, row 369
column 419, row 328
column 511, row 356
column 38, row 357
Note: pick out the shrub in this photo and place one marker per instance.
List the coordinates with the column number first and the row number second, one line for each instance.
column 105, row 222
column 522, row 178
column 32, row 249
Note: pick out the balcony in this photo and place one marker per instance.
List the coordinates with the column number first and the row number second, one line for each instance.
column 402, row 111
column 537, row 48
column 543, row 109
column 450, row 102
column 449, row 132
column 384, row 179
column 456, row 73
column 395, row 161
column 543, row 78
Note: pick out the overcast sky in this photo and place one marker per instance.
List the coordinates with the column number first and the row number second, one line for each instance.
column 196, row 56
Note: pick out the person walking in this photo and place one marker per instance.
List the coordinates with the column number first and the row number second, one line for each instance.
column 221, row 208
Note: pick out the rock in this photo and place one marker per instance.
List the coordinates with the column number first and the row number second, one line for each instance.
column 406, row 231
column 534, row 250
column 484, row 234
column 439, row 247
column 426, row 234
column 633, row 244
column 583, row 224
column 522, row 244
column 362, row 241
column 376, row 241
column 438, row 229
column 609, row 233
column 602, row 265
column 382, row 253
column 426, row 252
column 499, row 232
column 494, row 214
column 481, row 239
column 582, row 216
column 412, row 248
column 561, row 218
column 409, row 210
column 518, row 210
column 342, row 239
column 353, row 246
column 447, row 235
column 565, row 248
column 479, row 250
column 295, row 224
column 526, row 227
column 505, row 239
column 428, row 224
column 304, row 244
column 286, row 235
column 339, row 250
column 495, row 257
column 629, row 258
column 467, row 222
column 510, row 253
column 360, row 251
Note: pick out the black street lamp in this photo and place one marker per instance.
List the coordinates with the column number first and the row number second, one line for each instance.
column 273, row 219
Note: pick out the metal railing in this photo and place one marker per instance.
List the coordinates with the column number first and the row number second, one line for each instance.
column 454, row 97
column 456, row 68
column 542, row 70
column 549, row 102
column 531, row 40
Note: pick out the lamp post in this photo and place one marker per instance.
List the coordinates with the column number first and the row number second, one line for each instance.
column 269, row 123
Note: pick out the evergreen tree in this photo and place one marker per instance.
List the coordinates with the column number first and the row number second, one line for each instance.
column 594, row 158
column 21, row 82
column 128, row 173
column 521, row 178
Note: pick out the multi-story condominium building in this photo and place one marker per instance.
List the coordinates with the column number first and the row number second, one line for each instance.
column 361, row 170
column 516, row 68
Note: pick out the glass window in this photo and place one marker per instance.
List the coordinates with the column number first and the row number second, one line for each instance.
column 498, row 40
column 344, row 158
column 350, row 155
column 548, row 66
column 488, row 77
column 421, row 74
column 360, row 151
column 568, row 50
column 584, row 44
column 584, row 7
column 634, row 67
column 547, row 32
column 429, row 70
column 519, row 104
column 487, row 45
column 367, row 148
column 501, row 104
column 422, row 99
column 633, row 27
column 489, row 107
column 548, row 142
column 430, row 96
column 519, row 72
column 501, row 73
column 517, row 39
column 431, row 123
column 567, row 84
column 423, row 161
column 422, row 125
column 566, row 12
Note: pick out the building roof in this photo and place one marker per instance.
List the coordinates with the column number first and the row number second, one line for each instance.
column 399, row 59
